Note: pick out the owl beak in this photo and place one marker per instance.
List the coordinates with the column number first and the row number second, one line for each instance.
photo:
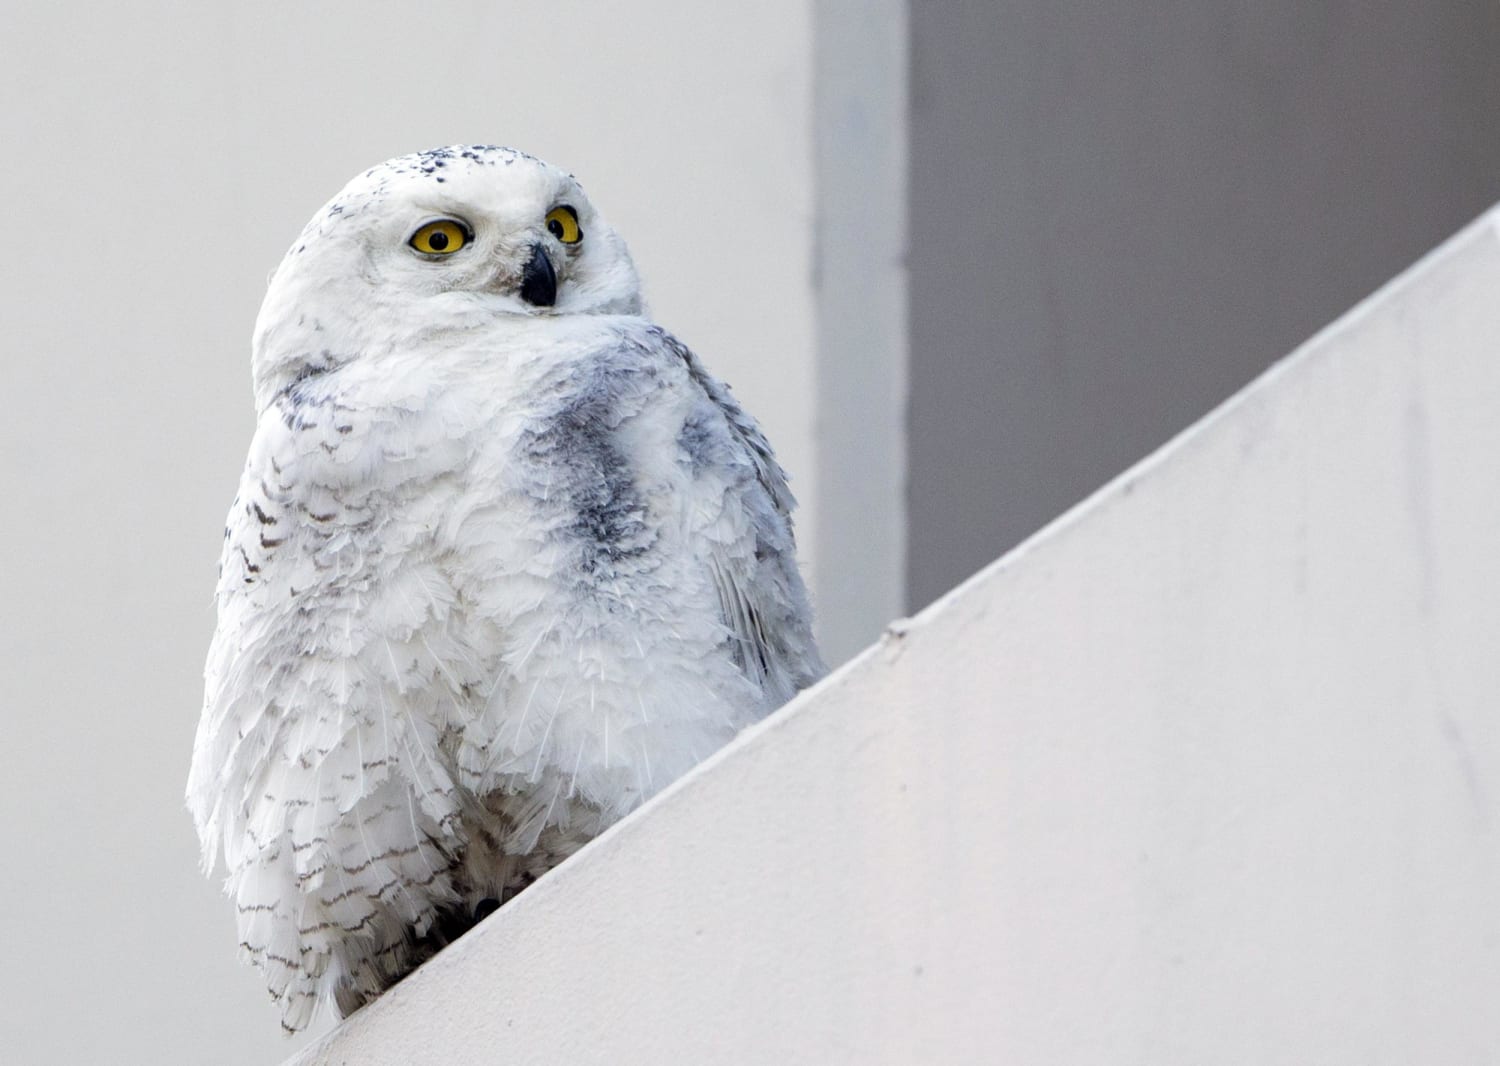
column 538, row 279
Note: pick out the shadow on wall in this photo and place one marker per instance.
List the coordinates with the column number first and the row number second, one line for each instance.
column 1120, row 213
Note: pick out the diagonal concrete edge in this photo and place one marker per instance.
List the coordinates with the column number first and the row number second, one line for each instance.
column 1207, row 770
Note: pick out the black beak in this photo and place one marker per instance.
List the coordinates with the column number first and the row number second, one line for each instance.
column 539, row 280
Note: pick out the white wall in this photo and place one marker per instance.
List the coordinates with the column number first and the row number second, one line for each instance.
column 860, row 100
column 160, row 157
column 1208, row 771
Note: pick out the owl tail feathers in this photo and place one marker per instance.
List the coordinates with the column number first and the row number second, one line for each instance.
column 297, row 1010
column 300, row 972
column 299, row 992
column 309, row 951
column 293, row 975
column 299, row 987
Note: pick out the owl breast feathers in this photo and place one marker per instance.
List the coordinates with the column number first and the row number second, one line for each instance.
column 505, row 560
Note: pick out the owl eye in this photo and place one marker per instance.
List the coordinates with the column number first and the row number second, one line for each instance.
column 443, row 237
column 562, row 223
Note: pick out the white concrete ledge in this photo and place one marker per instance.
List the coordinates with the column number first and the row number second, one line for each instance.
column 1205, row 772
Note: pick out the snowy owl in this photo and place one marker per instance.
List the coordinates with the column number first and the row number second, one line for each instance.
column 505, row 560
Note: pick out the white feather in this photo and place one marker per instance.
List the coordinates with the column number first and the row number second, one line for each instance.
column 495, row 574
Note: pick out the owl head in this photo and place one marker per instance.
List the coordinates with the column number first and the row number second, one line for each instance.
column 443, row 241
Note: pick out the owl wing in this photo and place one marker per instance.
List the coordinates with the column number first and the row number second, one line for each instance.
column 314, row 769
column 762, row 599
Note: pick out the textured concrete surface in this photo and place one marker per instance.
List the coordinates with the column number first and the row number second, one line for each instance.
column 1208, row 771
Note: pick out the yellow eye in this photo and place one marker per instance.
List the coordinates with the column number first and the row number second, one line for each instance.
column 443, row 237
column 562, row 223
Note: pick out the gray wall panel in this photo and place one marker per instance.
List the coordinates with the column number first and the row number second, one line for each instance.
column 1121, row 212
